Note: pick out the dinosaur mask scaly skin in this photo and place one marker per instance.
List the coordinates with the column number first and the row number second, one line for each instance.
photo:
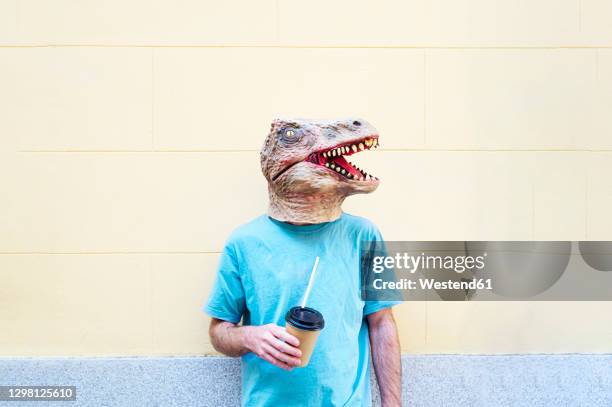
column 308, row 175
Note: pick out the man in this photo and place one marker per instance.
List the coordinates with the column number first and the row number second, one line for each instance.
column 265, row 267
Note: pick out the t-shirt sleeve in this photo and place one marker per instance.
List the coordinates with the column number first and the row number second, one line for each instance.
column 370, row 307
column 375, row 306
column 227, row 299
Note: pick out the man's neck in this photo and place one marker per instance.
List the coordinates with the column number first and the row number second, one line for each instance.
column 303, row 209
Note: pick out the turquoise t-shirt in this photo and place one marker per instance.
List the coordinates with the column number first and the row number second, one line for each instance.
column 264, row 271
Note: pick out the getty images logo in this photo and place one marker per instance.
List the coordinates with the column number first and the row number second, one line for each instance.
column 411, row 263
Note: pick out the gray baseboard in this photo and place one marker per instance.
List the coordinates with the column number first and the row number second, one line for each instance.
column 429, row 380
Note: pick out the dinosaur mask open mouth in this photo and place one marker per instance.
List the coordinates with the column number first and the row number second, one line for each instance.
column 333, row 158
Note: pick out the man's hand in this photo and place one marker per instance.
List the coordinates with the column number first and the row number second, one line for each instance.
column 274, row 344
column 270, row 342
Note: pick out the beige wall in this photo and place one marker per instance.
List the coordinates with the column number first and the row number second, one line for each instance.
column 129, row 139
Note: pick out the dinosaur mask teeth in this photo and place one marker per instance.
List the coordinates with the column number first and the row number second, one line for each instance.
column 333, row 159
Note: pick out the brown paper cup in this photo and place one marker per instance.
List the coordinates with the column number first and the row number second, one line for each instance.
column 306, row 325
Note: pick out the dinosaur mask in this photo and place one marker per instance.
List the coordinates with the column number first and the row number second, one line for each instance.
column 307, row 172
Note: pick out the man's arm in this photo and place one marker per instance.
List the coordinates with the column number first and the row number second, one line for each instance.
column 270, row 342
column 386, row 356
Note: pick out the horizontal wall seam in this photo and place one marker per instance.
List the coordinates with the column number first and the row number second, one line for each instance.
column 281, row 46
column 70, row 253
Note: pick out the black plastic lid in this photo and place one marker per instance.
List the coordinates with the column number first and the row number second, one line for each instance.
column 306, row 319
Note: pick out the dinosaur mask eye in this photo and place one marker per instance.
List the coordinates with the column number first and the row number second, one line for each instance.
column 290, row 135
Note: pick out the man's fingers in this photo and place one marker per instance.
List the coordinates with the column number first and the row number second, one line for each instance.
column 286, row 348
column 281, row 333
column 281, row 357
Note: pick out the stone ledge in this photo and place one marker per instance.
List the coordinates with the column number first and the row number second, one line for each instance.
column 429, row 380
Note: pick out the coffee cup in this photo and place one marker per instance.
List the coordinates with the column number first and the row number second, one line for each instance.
column 305, row 324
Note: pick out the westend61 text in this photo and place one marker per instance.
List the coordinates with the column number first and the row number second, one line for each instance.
column 433, row 284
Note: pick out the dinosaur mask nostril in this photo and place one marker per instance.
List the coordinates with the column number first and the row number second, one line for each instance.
column 357, row 123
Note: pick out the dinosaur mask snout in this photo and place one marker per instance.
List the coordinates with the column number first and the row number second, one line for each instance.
column 333, row 158
column 299, row 144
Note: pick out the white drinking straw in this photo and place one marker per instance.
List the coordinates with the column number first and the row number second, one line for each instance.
column 312, row 276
